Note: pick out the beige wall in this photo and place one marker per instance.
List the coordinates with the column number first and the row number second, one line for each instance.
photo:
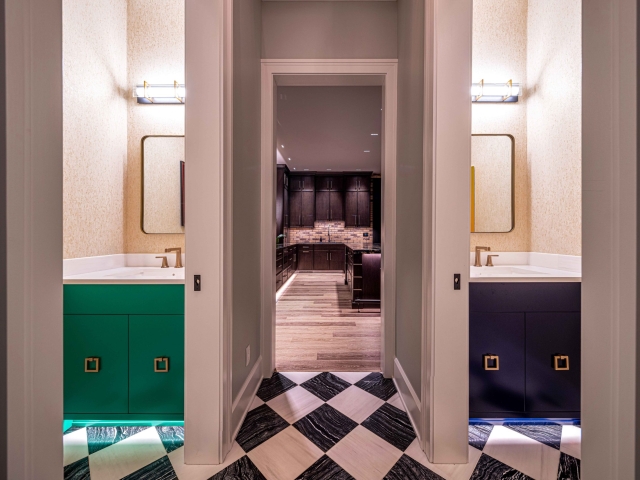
column 554, row 64
column 500, row 54
column 95, row 126
column 155, row 53
column 329, row 30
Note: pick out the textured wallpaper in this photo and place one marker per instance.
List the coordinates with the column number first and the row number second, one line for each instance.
column 155, row 38
column 554, row 68
column 95, row 126
column 500, row 54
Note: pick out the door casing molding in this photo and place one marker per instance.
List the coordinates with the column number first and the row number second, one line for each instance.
column 388, row 70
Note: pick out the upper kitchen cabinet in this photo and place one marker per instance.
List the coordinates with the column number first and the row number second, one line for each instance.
column 326, row 183
column 301, row 183
column 357, row 183
column 302, row 206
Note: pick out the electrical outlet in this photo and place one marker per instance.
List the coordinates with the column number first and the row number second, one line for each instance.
column 248, row 356
column 365, row 234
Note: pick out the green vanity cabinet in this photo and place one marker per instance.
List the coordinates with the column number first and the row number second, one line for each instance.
column 136, row 333
column 99, row 386
column 156, row 364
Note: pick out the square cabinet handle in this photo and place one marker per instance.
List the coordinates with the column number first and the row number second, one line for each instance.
column 561, row 362
column 87, row 365
column 156, row 364
column 491, row 362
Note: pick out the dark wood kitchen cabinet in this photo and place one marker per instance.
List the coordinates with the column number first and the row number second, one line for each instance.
column 282, row 199
column 329, row 183
column 329, row 257
column 337, row 257
column 301, row 183
column 357, row 201
column 329, row 206
column 524, row 350
column 301, row 209
column 305, row 257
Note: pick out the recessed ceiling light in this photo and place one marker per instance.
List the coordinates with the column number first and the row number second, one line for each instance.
column 289, row 159
column 374, row 134
column 282, row 146
column 328, row 169
column 367, row 151
column 358, row 169
column 306, row 169
column 294, row 168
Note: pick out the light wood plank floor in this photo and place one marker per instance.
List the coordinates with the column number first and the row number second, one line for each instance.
column 318, row 331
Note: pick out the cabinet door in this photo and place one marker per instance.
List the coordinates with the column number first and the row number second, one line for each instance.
column 337, row 258
column 285, row 207
column 96, row 336
column 308, row 208
column 321, row 259
column 371, row 276
column 364, row 209
column 502, row 390
column 548, row 335
column 156, row 385
column 351, row 183
column 323, row 205
column 351, row 209
column 295, row 208
column 302, row 183
column 323, row 183
column 305, row 258
column 336, row 206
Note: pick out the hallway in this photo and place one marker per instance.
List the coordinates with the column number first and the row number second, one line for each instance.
column 318, row 331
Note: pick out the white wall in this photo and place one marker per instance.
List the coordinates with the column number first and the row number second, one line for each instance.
column 329, row 30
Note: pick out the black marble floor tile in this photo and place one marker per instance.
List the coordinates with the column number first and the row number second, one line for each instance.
column 548, row 433
column 569, row 468
column 78, row 470
column 103, row 437
column 391, row 424
column 325, row 469
column 489, row 468
column 72, row 429
column 172, row 437
column 325, row 386
column 260, row 425
column 325, row 426
column 377, row 385
column 479, row 434
column 159, row 470
column 408, row 469
column 243, row 469
column 272, row 387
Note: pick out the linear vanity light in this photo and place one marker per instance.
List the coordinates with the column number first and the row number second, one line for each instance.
column 495, row 92
column 148, row 93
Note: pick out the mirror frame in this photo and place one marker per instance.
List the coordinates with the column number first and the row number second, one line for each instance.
column 513, row 176
column 142, row 186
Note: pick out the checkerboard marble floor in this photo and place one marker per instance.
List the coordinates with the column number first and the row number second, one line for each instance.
column 326, row 426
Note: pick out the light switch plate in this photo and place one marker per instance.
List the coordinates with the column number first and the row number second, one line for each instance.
column 248, row 356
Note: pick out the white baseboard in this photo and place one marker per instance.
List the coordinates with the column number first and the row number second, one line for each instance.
column 409, row 397
column 242, row 402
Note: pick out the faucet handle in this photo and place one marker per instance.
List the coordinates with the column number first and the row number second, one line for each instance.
column 165, row 264
column 490, row 260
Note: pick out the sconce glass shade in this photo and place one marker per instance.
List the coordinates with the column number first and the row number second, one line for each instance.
column 495, row 92
column 160, row 94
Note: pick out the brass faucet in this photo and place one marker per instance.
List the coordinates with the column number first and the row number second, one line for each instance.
column 478, row 262
column 178, row 251
column 490, row 260
column 164, row 262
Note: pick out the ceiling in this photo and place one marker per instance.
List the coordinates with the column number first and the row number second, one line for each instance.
column 324, row 128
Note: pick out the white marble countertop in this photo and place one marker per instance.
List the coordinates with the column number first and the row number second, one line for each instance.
column 122, row 269
column 527, row 267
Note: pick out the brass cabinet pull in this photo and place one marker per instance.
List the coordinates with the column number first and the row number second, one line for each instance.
column 559, row 360
column 491, row 362
column 157, row 361
column 88, row 361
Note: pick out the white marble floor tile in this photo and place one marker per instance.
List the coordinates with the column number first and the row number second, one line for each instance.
column 571, row 440
column 300, row 377
column 255, row 403
column 285, row 456
column 75, row 446
column 448, row 471
column 364, row 455
column 126, row 456
column 523, row 453
column 355, row 403
column 351, row 377
column 294, row 404
column 396, row 401
column 202, row 472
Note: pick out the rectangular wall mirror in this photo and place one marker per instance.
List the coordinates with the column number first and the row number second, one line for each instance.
column 492, row 183
column 163, row 184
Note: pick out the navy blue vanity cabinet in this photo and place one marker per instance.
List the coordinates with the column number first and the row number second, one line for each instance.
column 553, row 363
column 531, row 335
column 496, row 362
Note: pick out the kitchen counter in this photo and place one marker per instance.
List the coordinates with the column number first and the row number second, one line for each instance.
column 357, row 247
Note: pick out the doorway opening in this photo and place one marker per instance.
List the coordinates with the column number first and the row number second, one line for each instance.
column 328, row 179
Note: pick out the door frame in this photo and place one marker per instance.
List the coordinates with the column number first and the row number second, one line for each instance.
column 388, row 69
